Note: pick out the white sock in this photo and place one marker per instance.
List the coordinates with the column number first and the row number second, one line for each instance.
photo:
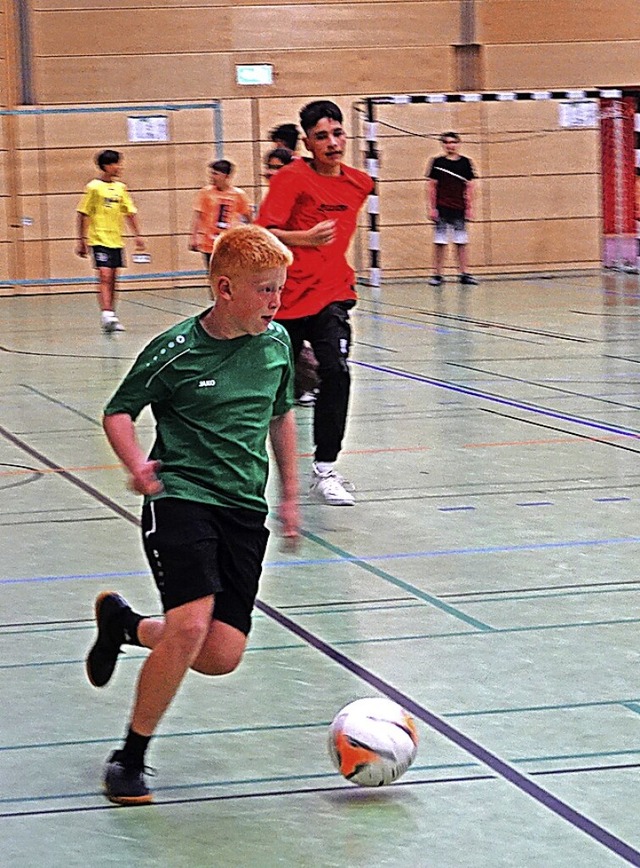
column 107, row 315
column 323, row 467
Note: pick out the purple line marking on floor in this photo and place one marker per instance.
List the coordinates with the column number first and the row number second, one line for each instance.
column 496, row 399
column 611, row 499
column 502, row 768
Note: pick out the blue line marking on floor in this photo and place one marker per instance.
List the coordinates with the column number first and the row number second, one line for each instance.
column 90, row 279
column 362, row 559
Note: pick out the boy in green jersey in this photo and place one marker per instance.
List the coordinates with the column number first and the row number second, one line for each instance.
column 218, row 384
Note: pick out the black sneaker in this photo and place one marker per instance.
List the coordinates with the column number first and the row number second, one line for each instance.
column 436, row 280
column 103, row 656
column 468, row 280
column 124, row 785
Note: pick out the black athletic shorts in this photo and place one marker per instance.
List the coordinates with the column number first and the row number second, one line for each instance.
column 196, row 549
column 108, row 257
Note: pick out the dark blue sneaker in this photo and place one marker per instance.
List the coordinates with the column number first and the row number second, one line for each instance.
column 102, row 658
column 468, row 280
column 124, row 785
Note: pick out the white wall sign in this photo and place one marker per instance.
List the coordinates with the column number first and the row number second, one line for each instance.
column 578, row 114
column 257, row 73
column 150, row 128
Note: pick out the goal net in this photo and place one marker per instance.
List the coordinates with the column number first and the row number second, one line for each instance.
column 555, row 189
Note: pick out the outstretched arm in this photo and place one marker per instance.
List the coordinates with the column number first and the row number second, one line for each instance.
column 81, row 231
column 469, row 191
column 432, row 198
column 282, row 432
column 135, row 228
column 121, row 434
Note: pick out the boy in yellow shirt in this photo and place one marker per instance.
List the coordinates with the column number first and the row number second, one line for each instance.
column 105, row 202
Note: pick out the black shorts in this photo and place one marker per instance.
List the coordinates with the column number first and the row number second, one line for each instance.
column 197, row 549
column 108, row 257
column 451, row 216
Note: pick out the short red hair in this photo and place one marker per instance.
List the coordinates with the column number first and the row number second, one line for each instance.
column 247, row 248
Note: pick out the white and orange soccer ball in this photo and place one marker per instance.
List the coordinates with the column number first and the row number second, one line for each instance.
column 372, row 742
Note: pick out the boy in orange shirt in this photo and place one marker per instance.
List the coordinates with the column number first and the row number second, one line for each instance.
column 218, row 206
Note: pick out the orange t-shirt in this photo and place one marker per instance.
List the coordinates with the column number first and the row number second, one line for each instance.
column 298, row 198
column 219, row 210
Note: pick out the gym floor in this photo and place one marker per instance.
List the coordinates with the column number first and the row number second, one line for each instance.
column 487, row 579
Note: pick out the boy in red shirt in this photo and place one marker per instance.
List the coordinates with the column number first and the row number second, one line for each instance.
column 312, row 206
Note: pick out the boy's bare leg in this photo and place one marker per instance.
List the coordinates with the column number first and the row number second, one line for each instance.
column 438, row 257
column 107, row 288
column 176, row 647
column 221, row 650
column 461, row 250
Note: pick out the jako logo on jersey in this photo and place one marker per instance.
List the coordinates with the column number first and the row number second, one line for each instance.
column 204, row 383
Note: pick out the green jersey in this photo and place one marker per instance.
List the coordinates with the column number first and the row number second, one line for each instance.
column 212, row 401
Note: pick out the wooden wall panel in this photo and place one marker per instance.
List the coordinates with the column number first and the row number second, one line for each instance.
column 3, row 79
column 90, row 129
column 574, row 152
column 573, row 65
column 145, row 167
column 5, row 256
column 534, row 153
column 205, row 76
column 64, row 263
column 405, row 203
column 430, row 119
column 535, row 198
column 530, row 21
column 91, row 5
column 36, row 259
column 132, row 32
column 4, row 221
column 29, row 131
column 29, row 171
column 155, row 209
column 409, row 157
column 237, row 28
column 535, row 245
column 3, row 67
column 236, row 120
column 192, row 126
column 541, row 243
column 187, row 260
column 30, row 207
column 411, row 251
column 521, row 116
column 159, row 51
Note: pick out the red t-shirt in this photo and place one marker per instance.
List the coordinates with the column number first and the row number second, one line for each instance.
column 298, row 199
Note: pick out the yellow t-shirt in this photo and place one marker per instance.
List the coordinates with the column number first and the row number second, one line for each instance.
column 104, row 203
